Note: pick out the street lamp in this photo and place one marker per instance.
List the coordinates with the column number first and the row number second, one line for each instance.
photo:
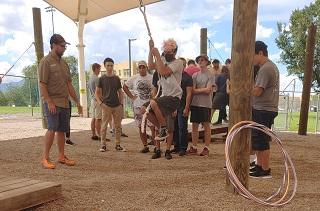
column 130, row 40
column 51, row 9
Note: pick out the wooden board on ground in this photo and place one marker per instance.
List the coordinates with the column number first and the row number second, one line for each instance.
column 215, row 129
column 18, row 194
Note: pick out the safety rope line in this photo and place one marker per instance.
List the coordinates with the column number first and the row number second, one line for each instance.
column 17, row 60
column 142, row 8
column 289, row 172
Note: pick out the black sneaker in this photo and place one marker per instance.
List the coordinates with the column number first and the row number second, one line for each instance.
column 252, row 164
column 120, row 148
column 156, row 155
column 124, row 135
column 69, row 142
column 163, row 134
column 103, row 148
column 260, row 173
column 182, row 153
column 95, row 137
column 168, row 155
column 145, row 150
column 255, row 168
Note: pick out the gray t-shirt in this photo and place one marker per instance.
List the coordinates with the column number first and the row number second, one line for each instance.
column 93, row 83
column 171, row 85
column 202, row 79
column 268, row 79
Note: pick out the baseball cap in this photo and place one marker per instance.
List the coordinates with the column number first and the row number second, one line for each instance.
column 204, row 57
column 58, row 39
column 142, row 63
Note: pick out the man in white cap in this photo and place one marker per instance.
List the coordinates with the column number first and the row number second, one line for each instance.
column 55, row 88
column 170, row 70
column 140, row 86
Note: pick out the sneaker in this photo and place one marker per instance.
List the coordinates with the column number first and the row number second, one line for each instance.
column 67, row 161
column 192, row 151
column 120, row 148
column 103, row 148
column 94, row 137
column 47, row 164
column 205, row 152
column 155, row 150
column 255, row 168
column 168, row 155
column 157, row 154
column 260, row 173
column 69, row 142
column 145, row 150
column 182, row 153
column 163, row 134
column 124, row 135
column 252, row 165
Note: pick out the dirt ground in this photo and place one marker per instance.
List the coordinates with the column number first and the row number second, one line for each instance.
column 133, row 181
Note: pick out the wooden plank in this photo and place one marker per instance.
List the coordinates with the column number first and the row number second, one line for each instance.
column 4, row 180
column 29, row 196
column 12, row 181
column 18, row 185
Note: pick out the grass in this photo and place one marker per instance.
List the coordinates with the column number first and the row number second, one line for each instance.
column 292, row 120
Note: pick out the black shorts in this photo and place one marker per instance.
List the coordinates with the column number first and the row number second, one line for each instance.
column 200, row 114
column 167, row 104
column 260, row 140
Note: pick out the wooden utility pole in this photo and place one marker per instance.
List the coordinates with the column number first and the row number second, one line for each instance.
column 38, row 43
column 203, row 41
column 241, row 78
column 307, row 81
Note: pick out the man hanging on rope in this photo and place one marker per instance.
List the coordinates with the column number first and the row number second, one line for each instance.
column 170, row 71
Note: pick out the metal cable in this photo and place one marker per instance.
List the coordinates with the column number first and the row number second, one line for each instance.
column 17, row 60
column 289, row 172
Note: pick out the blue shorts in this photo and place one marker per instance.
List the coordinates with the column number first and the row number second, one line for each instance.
column 60, row 121
column 260, row 140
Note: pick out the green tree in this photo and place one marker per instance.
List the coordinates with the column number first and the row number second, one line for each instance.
column 292, row 41
column 30, row 85
column 3, row 99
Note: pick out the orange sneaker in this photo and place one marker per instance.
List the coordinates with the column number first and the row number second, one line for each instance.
column 67, row 161
column 47, row 164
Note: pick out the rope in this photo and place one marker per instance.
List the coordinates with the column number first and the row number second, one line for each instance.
column 17, row 60
column 142, row 8
column 286, row 176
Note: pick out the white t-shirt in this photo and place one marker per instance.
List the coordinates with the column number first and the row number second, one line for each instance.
column 171, row 85
column 141, row 87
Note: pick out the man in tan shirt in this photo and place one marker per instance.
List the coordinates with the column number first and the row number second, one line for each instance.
column 56, row 87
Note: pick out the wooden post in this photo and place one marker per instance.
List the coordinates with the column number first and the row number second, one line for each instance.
column 241, row 78
column 304, row 111
column 38, row 43
column 203, row 41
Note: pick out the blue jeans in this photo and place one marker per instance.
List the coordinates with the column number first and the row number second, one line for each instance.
column 180, row 131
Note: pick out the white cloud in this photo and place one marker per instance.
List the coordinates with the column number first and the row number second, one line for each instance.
column 263, row 32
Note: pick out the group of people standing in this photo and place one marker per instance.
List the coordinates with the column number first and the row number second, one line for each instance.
column 166, row 98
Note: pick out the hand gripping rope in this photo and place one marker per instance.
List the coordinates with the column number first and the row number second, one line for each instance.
column 281, row 192
column 144, row 117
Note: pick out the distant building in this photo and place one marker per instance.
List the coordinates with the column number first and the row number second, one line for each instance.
column 122, row 69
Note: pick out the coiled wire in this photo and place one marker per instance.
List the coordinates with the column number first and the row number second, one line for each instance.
column 284, row 188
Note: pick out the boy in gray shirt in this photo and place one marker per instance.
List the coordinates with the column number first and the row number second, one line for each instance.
column 265, row 108
column 201, row 105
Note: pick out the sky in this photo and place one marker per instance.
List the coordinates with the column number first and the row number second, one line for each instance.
column 108, row 37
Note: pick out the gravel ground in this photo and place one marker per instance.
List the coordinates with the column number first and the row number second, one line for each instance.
column 132, row 181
